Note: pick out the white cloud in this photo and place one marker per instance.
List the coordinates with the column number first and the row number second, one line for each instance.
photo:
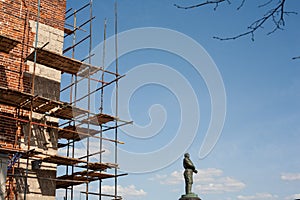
column 128, row 192
column 220, row 185
column 290, row 176
column 206, row 181
column 176, row 177
column 258, row 196
column 292, row 197
column 173, row 179
column 158, row 177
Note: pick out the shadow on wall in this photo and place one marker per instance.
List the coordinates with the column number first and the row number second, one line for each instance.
column 3, row 79
column 20, row 181
column 8, row 128
column 44, row 182
column 41, row 137
column 43, row 86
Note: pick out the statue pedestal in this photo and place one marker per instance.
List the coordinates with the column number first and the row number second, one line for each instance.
column 190, row 196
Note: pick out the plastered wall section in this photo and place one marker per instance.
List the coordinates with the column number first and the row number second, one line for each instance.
column 3, row 170
column 41, row 182
column 55, row 38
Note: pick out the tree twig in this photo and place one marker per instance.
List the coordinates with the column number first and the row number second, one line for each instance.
column 298, row 57
column 276, row 15
column 264, row 4
column 241, row 5
column 202, row 4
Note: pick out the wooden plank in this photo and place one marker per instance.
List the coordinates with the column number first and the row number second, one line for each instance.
column 67, row 181
column 47, row 106
column 62, row 160
column 40, row 104
column 68, row 31
column 86, row 72
column 79, row 177
column 99, row 119
column 57, row 61
column 68, row 133
column 100, row 166
column 13, row 97
column 68, row 112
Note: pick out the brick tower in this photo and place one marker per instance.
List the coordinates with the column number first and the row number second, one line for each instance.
column 22, row 79
column 34, row 122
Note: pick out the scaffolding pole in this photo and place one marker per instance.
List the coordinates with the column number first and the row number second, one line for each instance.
column 24, row 110
column 32, row 92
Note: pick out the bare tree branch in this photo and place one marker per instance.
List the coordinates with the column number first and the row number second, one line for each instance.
column 298, row 57
column 202, row 4
column 275, row 15
column 267, row 3
column 241, row 5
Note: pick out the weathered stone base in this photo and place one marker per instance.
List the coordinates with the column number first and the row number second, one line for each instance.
column 191, row 196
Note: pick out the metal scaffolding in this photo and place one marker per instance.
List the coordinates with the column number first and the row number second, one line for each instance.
column 77, row 122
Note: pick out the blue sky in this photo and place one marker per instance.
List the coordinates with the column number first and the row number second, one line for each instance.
column 257, row 154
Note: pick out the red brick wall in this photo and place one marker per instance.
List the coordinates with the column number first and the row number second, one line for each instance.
column 14, row 23
column 52, row 12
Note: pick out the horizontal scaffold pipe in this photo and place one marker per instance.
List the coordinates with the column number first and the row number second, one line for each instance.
column 54, row 127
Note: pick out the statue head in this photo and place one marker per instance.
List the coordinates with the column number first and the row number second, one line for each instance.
column 186, row 155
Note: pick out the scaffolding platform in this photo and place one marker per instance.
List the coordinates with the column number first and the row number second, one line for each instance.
column 99, row 119
column 17, row 98
column 64, row 160
column 60, row 62
column 13, row 97
column 12, row 150
column 61, row 160
column 89, row 71
column 78, row 178
column 75, row 133
column 39, row 104
column 46, row 106
column 68, row 112
column 9, row 149
column 68, row 31
column 100, row 166
column 38, row 137
column 7, row 43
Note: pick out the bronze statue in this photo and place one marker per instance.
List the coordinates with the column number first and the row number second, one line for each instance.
column 188, row 173
column 188, row 177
